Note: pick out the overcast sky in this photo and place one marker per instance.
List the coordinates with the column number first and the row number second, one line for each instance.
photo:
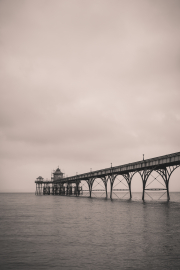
column 86, row 83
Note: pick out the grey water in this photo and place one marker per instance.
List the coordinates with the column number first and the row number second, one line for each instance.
column 61, row 232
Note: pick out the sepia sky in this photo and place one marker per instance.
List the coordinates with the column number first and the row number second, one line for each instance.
column 86, row 83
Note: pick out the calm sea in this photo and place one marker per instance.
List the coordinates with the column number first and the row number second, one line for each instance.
column 59, row 232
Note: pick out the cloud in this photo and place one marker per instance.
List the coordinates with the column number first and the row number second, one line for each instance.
column 88, row 82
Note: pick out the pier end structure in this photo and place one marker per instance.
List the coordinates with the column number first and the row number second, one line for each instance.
column 58, row 185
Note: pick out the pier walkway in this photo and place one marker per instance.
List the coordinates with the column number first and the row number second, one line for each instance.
column 163, row 165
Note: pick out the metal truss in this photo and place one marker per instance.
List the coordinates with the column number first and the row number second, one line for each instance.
column 166, row 173
column 144, row 176
column 84, row 190
column 127, row 177
column 101, row 179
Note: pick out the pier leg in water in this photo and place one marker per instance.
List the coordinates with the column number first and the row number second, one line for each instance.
column 167, row 186
column 143, row 190
column 111, row 179
column 130, row 190
column 106, row 190
column 166, row 174
column 90, row 189
column 128, row 178
column 77, row 188
column 166, row 180
column 111, row 184
column 144, row 176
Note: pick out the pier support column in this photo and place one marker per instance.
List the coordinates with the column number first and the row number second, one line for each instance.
column 128, row 178
column 166, row 174
column 77, row 187
column 111, row 188
column 167, row 186
column 90, row 189
column 71, row 190
column 105, row 180
column 144, row 185
column 129, row 184
column 90, row 183
column 106, row 190
column 112, row 178
column 61, row 190
column 144, row 176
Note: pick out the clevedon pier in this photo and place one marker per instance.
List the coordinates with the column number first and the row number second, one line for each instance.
column 164, row 166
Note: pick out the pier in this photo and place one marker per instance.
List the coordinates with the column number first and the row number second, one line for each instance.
column 69, row 186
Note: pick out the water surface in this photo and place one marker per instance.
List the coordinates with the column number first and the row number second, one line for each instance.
column 59, row 232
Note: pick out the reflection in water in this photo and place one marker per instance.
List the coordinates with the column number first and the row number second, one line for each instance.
column 59, row 232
